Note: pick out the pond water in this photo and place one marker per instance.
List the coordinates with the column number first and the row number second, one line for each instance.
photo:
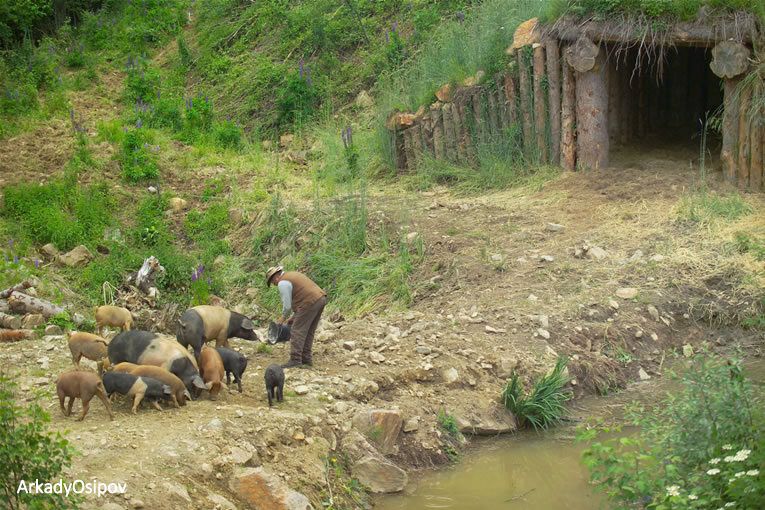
column 527, row 470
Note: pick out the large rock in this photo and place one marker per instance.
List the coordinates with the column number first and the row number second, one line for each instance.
column 487, row 423
column 379, row 475
column 262, row 490
column 49, row 252
column 381, row 426
column 78, row 257
column 177, row 204
column 32, row 321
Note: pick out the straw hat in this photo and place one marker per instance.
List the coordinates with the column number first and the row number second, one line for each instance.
column 271, row 272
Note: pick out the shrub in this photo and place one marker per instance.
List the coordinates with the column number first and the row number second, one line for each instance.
column 198, row 118
column 701, row 447
column 29, row 452
column 297, row 100
column 137, row 157
column 545, row 405
column 228, row 135
column 141, row 83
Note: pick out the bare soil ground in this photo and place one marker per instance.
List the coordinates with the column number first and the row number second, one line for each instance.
column 493, row 267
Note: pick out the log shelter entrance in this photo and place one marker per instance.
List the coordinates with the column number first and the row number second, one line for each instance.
column 667, row 104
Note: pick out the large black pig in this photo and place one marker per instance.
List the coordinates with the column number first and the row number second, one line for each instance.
column 204, row 323
column 147, row 348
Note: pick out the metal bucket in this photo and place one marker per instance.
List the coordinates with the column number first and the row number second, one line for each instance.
column 278, row 333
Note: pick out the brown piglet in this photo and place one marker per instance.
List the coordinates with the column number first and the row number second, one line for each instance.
column 82, row 385
column 114, row 316
column 90, row 346
column 212, row 371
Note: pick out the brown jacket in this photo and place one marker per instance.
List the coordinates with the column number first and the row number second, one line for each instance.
column 304, row 291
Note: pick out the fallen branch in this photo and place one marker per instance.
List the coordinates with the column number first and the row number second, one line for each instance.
column 18, row 287
column 22, row 303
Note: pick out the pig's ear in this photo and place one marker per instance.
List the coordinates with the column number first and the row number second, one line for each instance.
column 247, row 324
column 198, row 383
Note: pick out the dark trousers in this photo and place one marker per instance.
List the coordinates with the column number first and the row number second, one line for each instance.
column 303, row 329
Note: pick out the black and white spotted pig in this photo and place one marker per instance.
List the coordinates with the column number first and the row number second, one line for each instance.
column 204, row 323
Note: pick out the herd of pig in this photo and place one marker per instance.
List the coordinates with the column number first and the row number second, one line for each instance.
column 150, row 366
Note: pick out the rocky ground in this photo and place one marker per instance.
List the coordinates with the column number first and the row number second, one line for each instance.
column 599, row 267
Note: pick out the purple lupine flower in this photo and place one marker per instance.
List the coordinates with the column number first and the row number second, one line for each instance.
column 300, row 67
column 387, row 37
column 71, row 114
column 15, row 259
column 194, row 276
column 139, row 124
column 201, row 269
column 159, row 95
column 308, row 76
column 37, row 263
column 11, row 242
column 394, row 27
column 460, row 16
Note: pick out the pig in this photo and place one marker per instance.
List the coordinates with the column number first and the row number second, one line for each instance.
column 274, row 383
column 115, row 316
column 235, row 363
column 91, row 346
column 137, row 387
column 147, row 348
column 82, row 385
column 204, row 323
column 212, row 370
column 180, row 393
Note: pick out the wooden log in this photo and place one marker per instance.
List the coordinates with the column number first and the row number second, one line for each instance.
column 397, row 146
column 592, row 117
column 18, row 287
column 22, row 303
column 540, row 117
column 755, row 168
column 411, row 163
column 479, row 123
column 417, row 140
column 729, row 152
column 613, row 101
column 450, row 137
column 581, row 55
column 743, row 137
column 9, row 321
column 568, row 119
column 468, row 136
column 438, row 131
column 510, row 98
column 526, row 105
column 499, row 93
column 459, row 133
column 427, row 133
column 729, row 59
column 552, row 51
column 625, row 106
column 492, row 111
column 15, row 335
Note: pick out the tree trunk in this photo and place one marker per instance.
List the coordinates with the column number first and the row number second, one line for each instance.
column 525, row 90
column 9, row 321
column 504, row 116
column 729, row 152
column 22, row 303
column 755, row 172
column 613, row 102
column 459, row 133
column 743, row 138
column 510, row 96
column 539, row 103
column 479, row 124
column 468, row 136
column 568, row 119
column 408, row 149
column 592, row 116
column 18, row 287
column 427, row 133
column 729, row 59
column 450, row 140
column 438, row 132
column 398, row 148
column 553, row 82
column 491, row 100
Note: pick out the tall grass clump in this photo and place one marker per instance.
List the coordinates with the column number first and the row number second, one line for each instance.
column 544, row 406
column 701, row 447
column 705, row 207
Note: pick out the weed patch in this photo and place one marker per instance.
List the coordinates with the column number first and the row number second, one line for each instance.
column 545, row 404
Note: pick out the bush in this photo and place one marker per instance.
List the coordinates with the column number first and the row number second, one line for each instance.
column 701, row 447
column 228, row 135
column 297, row 100
column 29, row 452
column 198, row 118
column 142, row 82
column 137, row 156
column 545, row 405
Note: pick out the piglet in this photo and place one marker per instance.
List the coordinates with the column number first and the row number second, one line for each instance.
column 234, row 363
column 137, row 387
column 90, row 346
column 114, row 316
column 212, row 371
column 82, row 385
column 274, row 383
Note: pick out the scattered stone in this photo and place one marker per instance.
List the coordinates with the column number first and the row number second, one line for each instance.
column 178, row 204
column 497, row 257
column 349, row 345
column 259, row 488
column 239, row 413
column 77, row 257
column 298, row 436
column 627, row 292
column 340, row 407
column 136, row 503
column 657, row 258
column 488, row 423
column 423, row 349
column 450, row 375
column 379, row 475
column 40, row 381
column 376, row 357
column 221, row 502
column 596, row 253
column 411, row 424
column 544, row 321
column 238, row 455
column 49, row 251
column 543, row 333
column 490, row 329
column 381, row 426
column 554, row 227
column 654, row 337
column 151, row 189
column 286, row 139
column 32, row 321
column 52, row 329
column 215, row 424
column 301, row 390
column 532, row 297
column 688, row 350
column 613, row 304
column 411, row 237
column 653, row 312
column 643, row 374
column 638, row 334
column 636, row 256
column 546, row 258
column 178, row 490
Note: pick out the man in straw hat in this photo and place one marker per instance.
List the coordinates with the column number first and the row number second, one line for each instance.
column 306, row 299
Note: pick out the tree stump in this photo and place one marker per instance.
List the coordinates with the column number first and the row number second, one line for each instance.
column 582, row 54
column 729, row 59
column 568, row 119
column 553, row 79
column 592, row 117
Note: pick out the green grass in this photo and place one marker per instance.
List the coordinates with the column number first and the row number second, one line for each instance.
column 544, row 406
column 675, row 9
column 705, row 207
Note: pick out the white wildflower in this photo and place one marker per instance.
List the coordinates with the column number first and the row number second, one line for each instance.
column 741, row 455
column 729, row 458
column 731, row 504
column 739, row 474
column 713, row 471
column 673, row 490
column 753, row 472
column 714, row 461
column 727, row 447
column 692, row 497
